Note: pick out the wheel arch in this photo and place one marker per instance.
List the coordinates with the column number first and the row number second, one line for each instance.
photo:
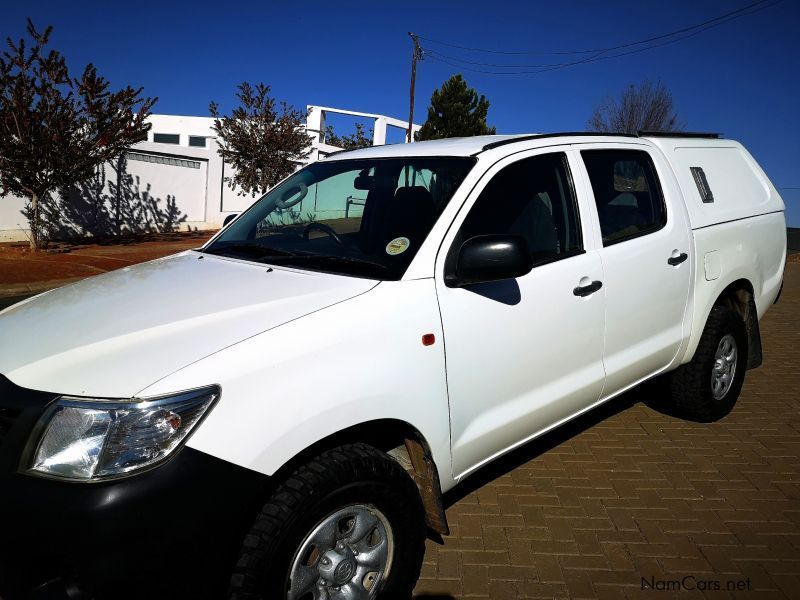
column 739, row 296
column 402, row 442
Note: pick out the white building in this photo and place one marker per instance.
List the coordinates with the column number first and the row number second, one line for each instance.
column 173, row 181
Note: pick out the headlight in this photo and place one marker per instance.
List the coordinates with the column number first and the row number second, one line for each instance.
column 87, row 439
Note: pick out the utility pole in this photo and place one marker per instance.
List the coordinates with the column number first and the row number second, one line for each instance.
column 415, row 56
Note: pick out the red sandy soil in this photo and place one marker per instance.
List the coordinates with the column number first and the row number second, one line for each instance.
column 19, row 266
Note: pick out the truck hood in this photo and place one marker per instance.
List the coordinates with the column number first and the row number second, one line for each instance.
column 115, row 334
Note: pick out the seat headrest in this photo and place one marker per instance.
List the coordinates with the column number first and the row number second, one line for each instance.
column 415, row 195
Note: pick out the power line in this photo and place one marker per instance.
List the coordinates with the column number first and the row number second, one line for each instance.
column 598, row 53
column 591, row 59
column 456, row 62
column 544, row 68
column 603, row 50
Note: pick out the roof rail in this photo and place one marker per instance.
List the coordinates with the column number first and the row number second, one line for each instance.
column 537, row 136
column 680, row 134
column 335, row 152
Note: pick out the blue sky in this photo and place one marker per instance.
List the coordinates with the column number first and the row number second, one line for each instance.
column 741, row 78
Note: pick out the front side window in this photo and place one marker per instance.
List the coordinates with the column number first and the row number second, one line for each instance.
column 533, row 198
column 364, row 217
column 627, row 193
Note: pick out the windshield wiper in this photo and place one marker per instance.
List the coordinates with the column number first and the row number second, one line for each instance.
column 350, row 259
column 310, row 256
column 262, row 253
column 252, row 248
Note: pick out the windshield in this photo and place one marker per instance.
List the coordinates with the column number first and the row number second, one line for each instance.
column 365, row 217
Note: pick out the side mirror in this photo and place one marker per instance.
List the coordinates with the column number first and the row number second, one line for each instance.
column 486, row 258
column 228, row 219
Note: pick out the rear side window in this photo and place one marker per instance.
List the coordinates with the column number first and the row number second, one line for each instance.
column 533, row 198
column 627, row 193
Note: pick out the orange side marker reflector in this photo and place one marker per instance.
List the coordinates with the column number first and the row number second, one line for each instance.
column 428, row 339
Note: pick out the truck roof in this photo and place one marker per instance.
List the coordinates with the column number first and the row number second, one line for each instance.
column 463, row 146
column 470, row 146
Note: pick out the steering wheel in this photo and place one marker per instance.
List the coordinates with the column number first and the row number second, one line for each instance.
column 324, row 228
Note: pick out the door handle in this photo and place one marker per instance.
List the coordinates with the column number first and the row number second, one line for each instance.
column 676, row 260
column 586, row 290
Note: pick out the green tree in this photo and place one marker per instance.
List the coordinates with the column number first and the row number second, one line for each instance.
column 353, row 141
column 644, row 107
column 262, row 139
column 456, row 110
column 56, row 130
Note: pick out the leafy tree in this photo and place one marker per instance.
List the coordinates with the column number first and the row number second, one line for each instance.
column 646, row 107
column 56, row 130
column 456, row 110
column 356, row 140
column 262, row 143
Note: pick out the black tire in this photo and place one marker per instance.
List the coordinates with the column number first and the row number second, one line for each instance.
column 350, row 474
column 690, row 384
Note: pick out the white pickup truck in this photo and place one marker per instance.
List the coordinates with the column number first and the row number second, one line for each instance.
column 277, row 414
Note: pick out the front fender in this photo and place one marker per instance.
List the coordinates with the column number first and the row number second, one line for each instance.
column 357, row 361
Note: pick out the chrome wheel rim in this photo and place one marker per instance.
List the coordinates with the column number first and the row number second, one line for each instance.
column 346, row 556
column 724, row 368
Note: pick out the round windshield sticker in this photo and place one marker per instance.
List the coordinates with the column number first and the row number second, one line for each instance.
column 397, row 246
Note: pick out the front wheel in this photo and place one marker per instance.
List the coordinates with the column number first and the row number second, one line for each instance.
column 706, row 389
column 348, row 525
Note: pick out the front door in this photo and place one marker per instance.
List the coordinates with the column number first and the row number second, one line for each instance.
column 522, row 354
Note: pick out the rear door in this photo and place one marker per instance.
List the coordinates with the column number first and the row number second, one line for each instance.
column 646, row 259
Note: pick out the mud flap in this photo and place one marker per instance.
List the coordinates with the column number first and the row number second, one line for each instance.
column 427, row 480
column 754, row 351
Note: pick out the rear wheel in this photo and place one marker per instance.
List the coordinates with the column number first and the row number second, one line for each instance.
column 706, row 389
column 348, row 525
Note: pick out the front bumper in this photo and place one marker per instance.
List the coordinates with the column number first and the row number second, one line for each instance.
column 171, row 532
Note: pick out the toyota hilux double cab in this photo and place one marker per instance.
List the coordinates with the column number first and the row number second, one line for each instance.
column 277, row 414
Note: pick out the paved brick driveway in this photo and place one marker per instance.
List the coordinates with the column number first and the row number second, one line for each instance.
column 628, row 492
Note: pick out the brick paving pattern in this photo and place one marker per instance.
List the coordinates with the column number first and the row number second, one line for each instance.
column 629, row 492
